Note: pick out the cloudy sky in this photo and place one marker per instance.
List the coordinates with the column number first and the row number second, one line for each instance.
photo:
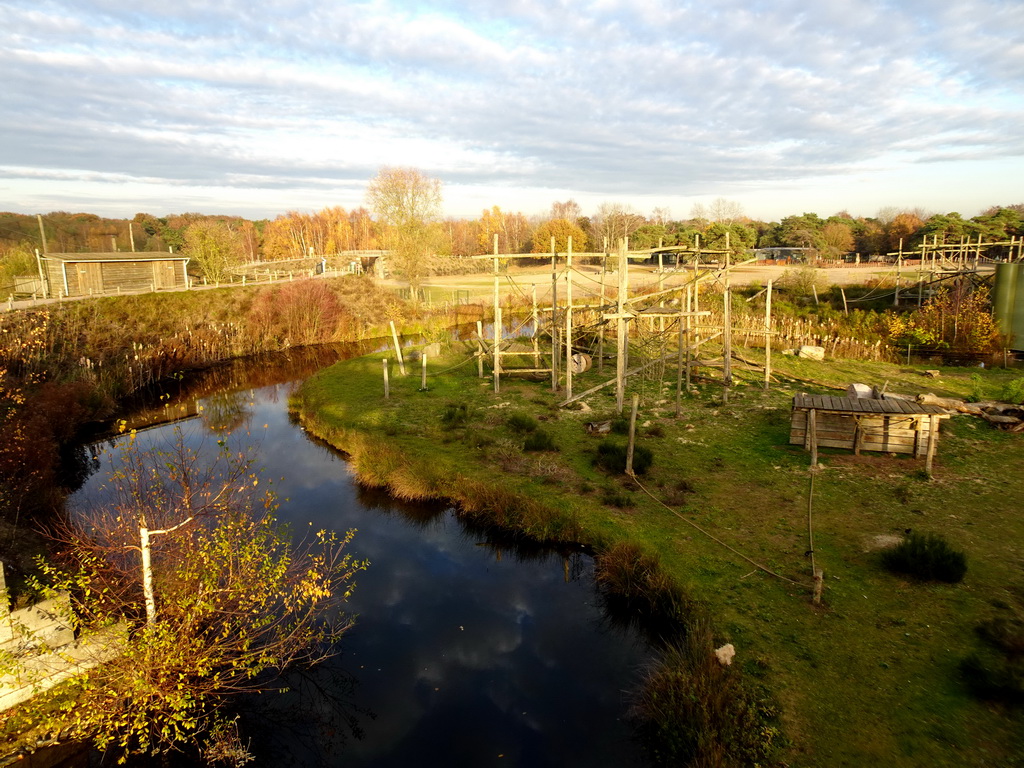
column 784, row 106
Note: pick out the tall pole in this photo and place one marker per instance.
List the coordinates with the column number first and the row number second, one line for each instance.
column 568, row 319
column 768, row 335
column 727, row 336
column 42, row 233
column 621, row 340
column 554, row 318
column 497, row 322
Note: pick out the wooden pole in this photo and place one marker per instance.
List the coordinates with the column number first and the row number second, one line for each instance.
column 767, row 336
column 691, row 296
column 554, row 318
column 727, row 339
column 398, row 349
column 600, row 327
column 131, row 236
column 846, row 309
column 679, row 353
column 812, row 436
column 899, row 267
column 387, row 382
column 632, row 435
column 497, row 324
column 480, row 349
column 933, row 429
column 568, row 318
column 622, row 329
column 42, row 233
column 423, row 378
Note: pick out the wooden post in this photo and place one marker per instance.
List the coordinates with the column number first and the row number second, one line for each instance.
column 42, row 233
column 131, row 236
column 554, row 318
column 622, row 329
column 387, row 382
column 814, row 289
column 600, row 327
column 768, row 335
column 423, row 379
column 568, row 318
column 679, row 354
column 398, row 349
column 899, row 274
column 933, row 429
column 727, row 338
column 497, row 324
column 812, row 436
column 691, row 294
column 846, row 309
column 480, row 349
column 632, row 435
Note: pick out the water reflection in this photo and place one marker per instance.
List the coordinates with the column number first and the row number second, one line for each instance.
column 468, row 649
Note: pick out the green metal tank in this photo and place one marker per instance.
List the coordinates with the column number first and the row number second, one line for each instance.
column 1003, row 296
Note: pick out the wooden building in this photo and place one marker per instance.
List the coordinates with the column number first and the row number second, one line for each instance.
column 95, row 274
column 887, row 425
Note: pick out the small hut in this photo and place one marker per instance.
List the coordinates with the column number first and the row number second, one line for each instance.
column 95, row 274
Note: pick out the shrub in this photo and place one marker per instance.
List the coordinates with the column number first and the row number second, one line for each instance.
column 521, row 422
column 611, row 455
column 926, row 556
column 997, row 670
column 455, row 415
column 1013, row 392
column 539, row 440
column 620, row 426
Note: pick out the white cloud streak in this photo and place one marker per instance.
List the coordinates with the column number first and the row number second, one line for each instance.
column 604, row 99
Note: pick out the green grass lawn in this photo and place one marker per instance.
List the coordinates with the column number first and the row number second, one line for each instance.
column 869, row 677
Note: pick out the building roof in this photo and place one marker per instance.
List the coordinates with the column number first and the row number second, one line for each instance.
column 117, row 256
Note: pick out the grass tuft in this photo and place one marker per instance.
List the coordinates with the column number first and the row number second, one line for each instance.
column 926, row 556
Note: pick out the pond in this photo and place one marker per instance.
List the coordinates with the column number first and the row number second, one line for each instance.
column 467, row 650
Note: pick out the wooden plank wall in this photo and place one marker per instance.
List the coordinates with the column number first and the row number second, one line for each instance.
column 87, row 278
column 888, row 433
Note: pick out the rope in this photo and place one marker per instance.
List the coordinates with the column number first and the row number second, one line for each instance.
column 716, row 539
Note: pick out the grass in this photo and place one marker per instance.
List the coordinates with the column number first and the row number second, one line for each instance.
column 873, row 676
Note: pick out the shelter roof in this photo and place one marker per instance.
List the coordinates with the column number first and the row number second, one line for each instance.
column 117, row 256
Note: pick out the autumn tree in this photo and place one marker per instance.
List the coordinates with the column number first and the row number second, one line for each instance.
column 231, row 601
column 512, row 229
column 407, row 204
column 214, row 247
column 561, row 230
column 837, row 238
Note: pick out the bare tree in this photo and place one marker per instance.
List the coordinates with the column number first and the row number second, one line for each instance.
column 408, row 204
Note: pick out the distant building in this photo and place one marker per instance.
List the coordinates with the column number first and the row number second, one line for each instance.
column 95, row 274
column 785, row 255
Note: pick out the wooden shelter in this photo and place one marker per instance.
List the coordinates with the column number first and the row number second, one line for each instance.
column 889, row 425
column 94, row 274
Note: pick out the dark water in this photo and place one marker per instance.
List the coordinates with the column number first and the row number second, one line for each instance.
column 467, row 651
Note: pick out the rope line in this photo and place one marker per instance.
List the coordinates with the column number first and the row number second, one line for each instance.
column 717, row 540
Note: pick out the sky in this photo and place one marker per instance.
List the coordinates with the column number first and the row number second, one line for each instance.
column 784, row 107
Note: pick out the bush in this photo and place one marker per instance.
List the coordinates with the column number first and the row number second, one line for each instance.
column 455, row 415
column 521, row 422
column 1013, row 392
column 539, row 440
column 926, row 556
column 611, row 455
column 997, row 670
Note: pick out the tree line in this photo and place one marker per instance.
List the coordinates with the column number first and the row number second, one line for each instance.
column 404, row 213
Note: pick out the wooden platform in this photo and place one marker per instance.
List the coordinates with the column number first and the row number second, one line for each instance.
column 888, row 425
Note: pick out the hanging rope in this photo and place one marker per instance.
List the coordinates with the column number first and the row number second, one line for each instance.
column 714, row 538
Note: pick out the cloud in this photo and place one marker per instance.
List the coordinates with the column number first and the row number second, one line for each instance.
column 605, row 98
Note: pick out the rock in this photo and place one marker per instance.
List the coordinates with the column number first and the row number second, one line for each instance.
column 860, row 391
column 599, row 427
column 932, row 373
column 725, row 654
column 811, row 353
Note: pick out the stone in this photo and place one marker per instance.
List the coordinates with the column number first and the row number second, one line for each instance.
column 811, row 353
column 725, row 654
column 931, row 373
column 860, row 391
